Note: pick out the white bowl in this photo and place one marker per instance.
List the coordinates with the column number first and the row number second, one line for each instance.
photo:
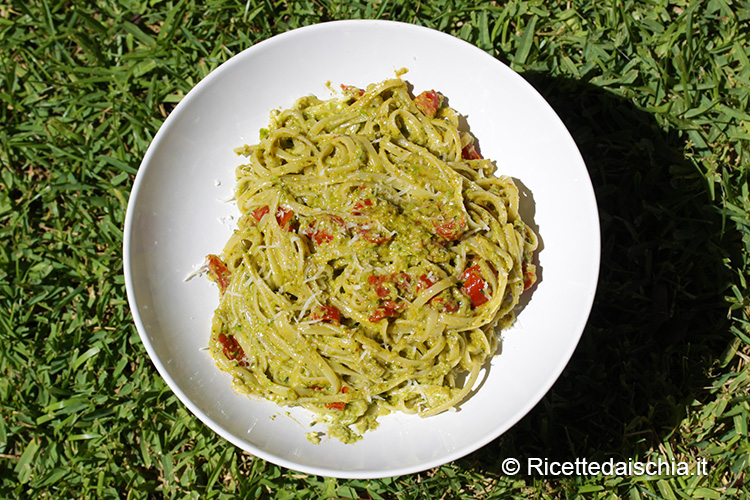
column 176, row 216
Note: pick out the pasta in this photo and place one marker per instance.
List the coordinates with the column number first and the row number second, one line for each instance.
column 375, row 262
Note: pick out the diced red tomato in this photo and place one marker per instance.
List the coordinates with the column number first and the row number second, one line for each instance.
column 424, row 283
column 381, row 313
column 321, row 237
column 352, row 91
column 375, row 280
column 344, row 389
column 378, row 283
column 218, row 271
column 470, row 153
column 260, row 212
column 428, row 102
column 450, row 229
column 529, row 275
column 400, row 280
column 359, row 206
column 327, row 313
column 338, row 405
column 389, row 308
column 382, row 291
column 231, row 348
column 474, row 286
column 283, row 216
column 384, row 288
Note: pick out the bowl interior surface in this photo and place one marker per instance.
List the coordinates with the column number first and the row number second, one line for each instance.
column 178, row 214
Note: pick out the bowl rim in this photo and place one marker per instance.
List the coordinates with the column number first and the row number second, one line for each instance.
column 146, row 163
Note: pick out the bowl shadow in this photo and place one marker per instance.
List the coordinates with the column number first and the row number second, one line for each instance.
column 658, row 322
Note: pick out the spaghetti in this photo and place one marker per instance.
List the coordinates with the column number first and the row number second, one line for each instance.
column 375, row 262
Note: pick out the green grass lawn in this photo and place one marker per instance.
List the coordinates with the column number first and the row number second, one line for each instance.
column 656, row 96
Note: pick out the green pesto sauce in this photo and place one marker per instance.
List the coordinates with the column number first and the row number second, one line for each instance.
column 377, row 219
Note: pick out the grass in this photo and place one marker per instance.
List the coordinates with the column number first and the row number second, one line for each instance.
column 655, row 93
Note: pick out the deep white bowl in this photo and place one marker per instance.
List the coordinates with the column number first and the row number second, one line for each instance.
column 176, row 216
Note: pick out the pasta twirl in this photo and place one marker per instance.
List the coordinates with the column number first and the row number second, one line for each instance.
column 375, row 262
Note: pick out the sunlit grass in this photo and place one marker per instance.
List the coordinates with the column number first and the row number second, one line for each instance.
column 654, row 93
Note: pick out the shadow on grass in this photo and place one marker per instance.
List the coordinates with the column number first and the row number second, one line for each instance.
column 658, row 321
